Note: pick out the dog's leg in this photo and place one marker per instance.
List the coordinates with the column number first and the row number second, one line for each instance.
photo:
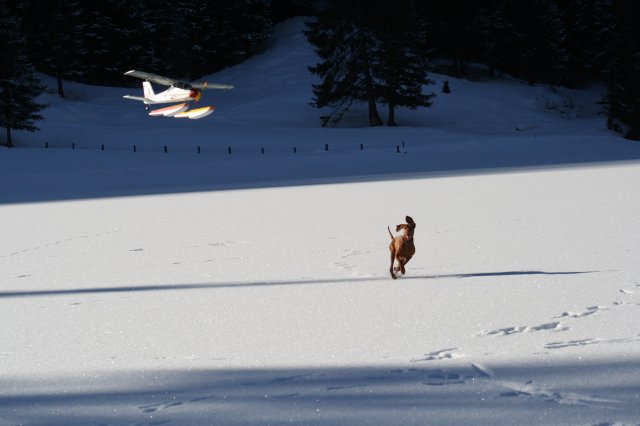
column 393, row 257
column 402, row 261
column 405, row 260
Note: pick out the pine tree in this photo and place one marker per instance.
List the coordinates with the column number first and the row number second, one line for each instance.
column 53, row 30
column 285, row 9
column 204, row 43
column 400, row 67
column 19, row 86
column 344, row 41
column 623, row 97
column 116, row 37
column 136, row 36
column 492, row 29
column 453, row 29
column 225, row 32
column 180, row 24
column 587, row 24
column 254, row 26
column 158, row 37
column 529, row 40
column 196, row 37
column 100, row 55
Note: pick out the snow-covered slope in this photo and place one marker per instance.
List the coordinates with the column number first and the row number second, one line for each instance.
column 480, row 125
column 247, row 288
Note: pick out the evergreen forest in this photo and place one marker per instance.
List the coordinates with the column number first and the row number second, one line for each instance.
column 377, row 52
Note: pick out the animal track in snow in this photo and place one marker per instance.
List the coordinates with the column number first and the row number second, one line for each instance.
column 223, row 244
column 572, row 343
column 202, row 398
column 152, row 408
column 441, row 354
column 58, row 242
column 441, row 378
column 351, row 253
column 344, row 265
column 589, row 311
column 346, row 254
column 587, row 342
column 427, row 377
column 288, row 379
column 550, row 326
column 337, row 388
column 623, row 291
column 528, row 389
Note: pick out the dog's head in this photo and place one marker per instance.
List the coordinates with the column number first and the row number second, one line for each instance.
column 408, row 227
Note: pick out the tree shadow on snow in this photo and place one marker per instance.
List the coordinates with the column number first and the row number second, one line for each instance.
column 240, row 285
column 581, row 392
column 497, row 274
column 56, row 177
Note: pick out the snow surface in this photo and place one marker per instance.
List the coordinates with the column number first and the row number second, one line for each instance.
column 156, row 288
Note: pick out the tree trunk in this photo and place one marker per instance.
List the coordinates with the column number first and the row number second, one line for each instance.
column 459, row 64
column 60, row 87
column 374, row 117
column 9, row 141
column 391, row 119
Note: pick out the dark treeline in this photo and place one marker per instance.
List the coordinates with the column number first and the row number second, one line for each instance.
column 96, row 41
column 373, row 51
column 376, row 51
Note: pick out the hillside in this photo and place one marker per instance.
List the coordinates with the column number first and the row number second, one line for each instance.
column 473, row 128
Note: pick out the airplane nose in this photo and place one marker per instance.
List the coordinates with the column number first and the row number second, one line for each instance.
column 195, row 94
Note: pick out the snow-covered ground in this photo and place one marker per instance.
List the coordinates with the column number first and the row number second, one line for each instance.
column 156, row 288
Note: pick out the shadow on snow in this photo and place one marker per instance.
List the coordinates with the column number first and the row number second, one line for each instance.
column 239, row 285
column 580, row 392
column 53, row 177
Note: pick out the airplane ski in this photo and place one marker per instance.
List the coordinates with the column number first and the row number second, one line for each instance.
column 169, row 111
column 195, row 114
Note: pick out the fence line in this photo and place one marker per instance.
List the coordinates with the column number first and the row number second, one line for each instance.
column 231, row 150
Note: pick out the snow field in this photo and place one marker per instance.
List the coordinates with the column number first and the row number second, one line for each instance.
column 159, row 286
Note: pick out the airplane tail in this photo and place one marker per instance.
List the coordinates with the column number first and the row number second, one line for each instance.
column 148, row 90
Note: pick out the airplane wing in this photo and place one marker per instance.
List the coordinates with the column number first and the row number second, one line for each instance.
column 137, row 98
column 211, row 86
column 165, row 81
column 158, row 79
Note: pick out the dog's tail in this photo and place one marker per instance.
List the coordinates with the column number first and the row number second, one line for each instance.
column 389, row 229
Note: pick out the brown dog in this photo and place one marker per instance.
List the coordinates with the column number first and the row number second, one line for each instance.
column 401, row 247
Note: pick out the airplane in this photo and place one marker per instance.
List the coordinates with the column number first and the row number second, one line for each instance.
column 178, row 91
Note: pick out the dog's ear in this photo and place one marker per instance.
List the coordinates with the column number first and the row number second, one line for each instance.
column 402, row 226
column 409, row 219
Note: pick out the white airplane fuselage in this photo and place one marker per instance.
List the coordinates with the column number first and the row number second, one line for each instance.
column 172, row 94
